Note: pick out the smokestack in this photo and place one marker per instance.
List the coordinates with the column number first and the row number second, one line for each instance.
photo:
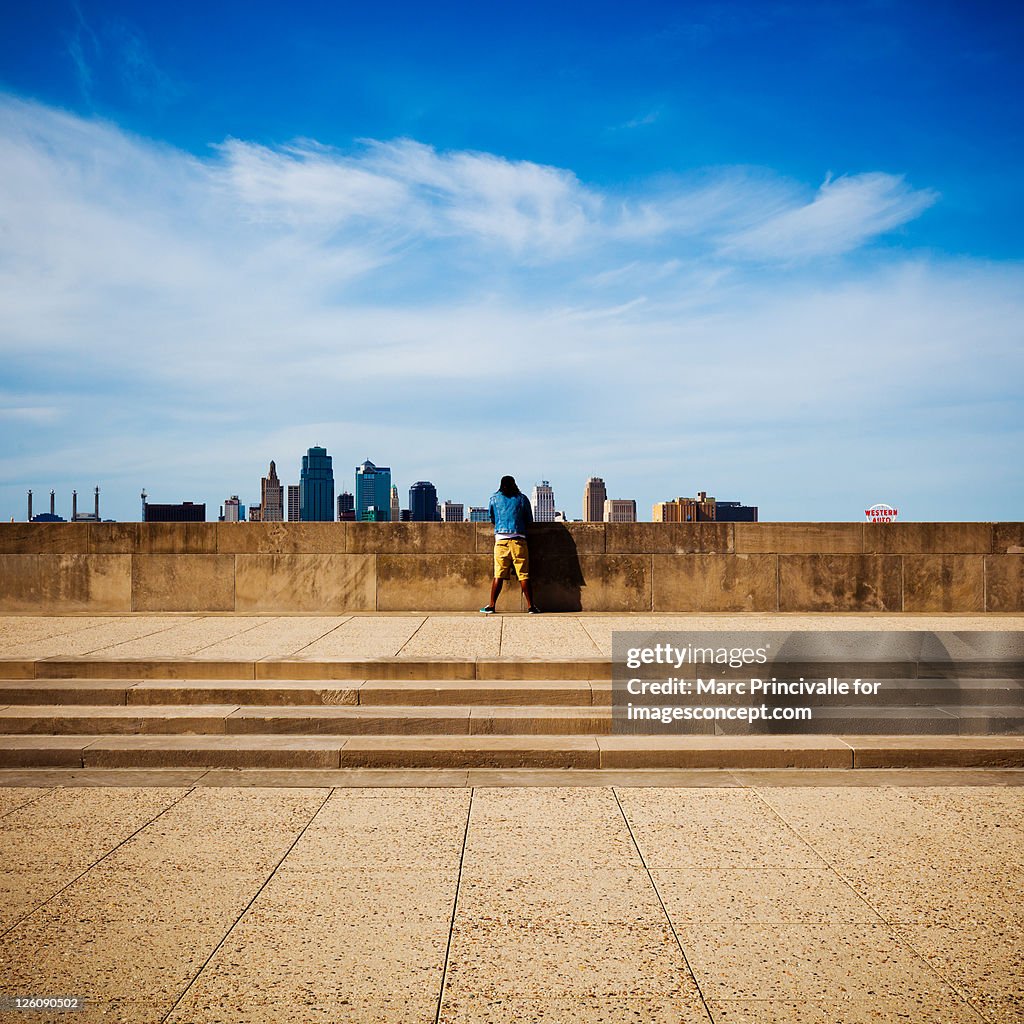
column 97, row 502
column 30, row 504
column 74, row 505
column 53, row 503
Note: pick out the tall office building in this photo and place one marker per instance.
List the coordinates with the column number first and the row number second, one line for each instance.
column 294, row 504
column 396, row 505
column 620, row 510
column 316, row 487
column 423, row 502
column 478, row 514
column 594, row 496
column 452, row 511
column 272, row 496
column 346, row 507
column 543, row 503
column 255, row 513
column 234, row 510
column 373, row 488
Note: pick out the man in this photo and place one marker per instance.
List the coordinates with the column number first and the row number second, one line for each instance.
column 511, row 514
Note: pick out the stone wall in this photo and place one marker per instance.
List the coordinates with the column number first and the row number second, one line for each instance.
column 327, row 568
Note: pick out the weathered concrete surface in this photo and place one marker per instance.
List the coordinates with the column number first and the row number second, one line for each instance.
column 297, row 568
column 747, row 901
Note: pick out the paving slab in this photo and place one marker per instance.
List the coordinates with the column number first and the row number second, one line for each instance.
column 365, row 637
column 186, row 637
column 71, row 636
column 275, row 636
column 862, row 963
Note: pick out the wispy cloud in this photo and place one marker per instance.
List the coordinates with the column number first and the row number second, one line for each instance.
column 846, row 213
column 114, row 54
column 449, row 312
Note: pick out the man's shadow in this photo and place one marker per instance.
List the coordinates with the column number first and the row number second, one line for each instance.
column 555, row 568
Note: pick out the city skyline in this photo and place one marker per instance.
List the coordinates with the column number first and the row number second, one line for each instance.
column 813, row 302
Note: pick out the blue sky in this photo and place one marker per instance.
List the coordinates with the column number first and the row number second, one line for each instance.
column 771, row 251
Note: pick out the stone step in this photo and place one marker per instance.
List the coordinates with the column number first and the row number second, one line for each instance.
column 513, row 693
column 469, row 720
column 1008, row 693
column 214, row 719
column 614, row 752
column 303, row 669
column 470, row 668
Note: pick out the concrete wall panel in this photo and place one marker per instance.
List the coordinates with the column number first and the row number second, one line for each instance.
column 85, row 583
column 668, row 538
column 928, row 538
column 433, row 582
column 318, row 584
column 943, row 583
column 183, row 583
column 282, row 538
column 800, row 538
column 1004, row 583
column 840, row 583
column 715, row 583
column 412, row 538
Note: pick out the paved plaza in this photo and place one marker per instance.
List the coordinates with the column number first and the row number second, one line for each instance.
column 725, row 899
column 405, row 636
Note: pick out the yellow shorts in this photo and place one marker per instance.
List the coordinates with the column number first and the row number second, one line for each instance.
column 509, row 553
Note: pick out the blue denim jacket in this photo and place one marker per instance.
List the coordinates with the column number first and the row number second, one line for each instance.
column 510, row 515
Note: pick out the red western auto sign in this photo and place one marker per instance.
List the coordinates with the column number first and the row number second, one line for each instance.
column 881, row 513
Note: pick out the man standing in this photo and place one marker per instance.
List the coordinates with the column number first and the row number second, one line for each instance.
column 511, row 514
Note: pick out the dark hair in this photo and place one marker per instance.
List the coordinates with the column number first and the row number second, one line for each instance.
column 508, row 486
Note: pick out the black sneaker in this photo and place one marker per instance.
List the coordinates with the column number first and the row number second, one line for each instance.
column 488, row 609
column 533, row 610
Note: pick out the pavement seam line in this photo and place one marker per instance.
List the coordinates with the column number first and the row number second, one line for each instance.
column 32, row 800
column 53, row 636
column 245, row 910
column 661, row 903
column 316, row 639
column 455, row 908
column 889, row 925
column 98, row 860
column 411, row 637
column 141, row 636
column 597, row 646
column 263, row 620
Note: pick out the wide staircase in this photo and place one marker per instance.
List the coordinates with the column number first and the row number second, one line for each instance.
column 513, row 714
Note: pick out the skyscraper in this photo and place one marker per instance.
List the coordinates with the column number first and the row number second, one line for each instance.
column 543, row 503
column 594, row 496
column 423, row 502
column 346, row 507
column 373, row 488
column 234, row 510
column 396, row 505
column 294, row 506
column 620, row 510
column 452, row 511
column 479, row 514
column 316, row 487
column 272, row 496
